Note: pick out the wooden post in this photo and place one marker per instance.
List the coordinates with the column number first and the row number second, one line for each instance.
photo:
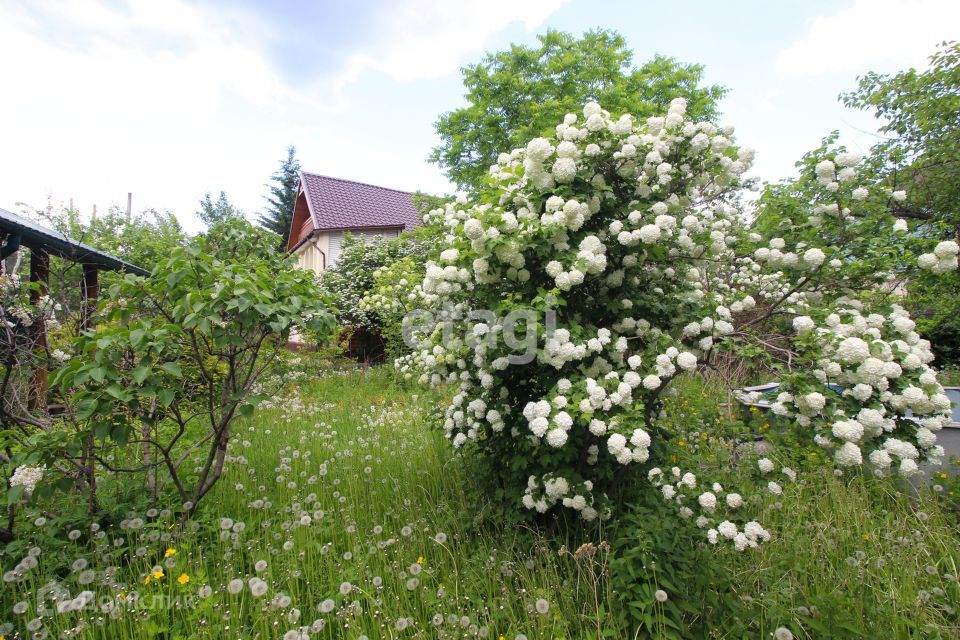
column 39, row 273
column 90, row 290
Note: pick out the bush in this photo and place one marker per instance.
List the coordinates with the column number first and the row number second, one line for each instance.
column 177, row 357
column 614, row 257
column 355, row 277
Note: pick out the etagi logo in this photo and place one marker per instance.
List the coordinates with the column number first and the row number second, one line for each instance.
column 53, row 597
column 519, row 330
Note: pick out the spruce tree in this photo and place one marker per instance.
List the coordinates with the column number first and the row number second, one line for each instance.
column 282, row 198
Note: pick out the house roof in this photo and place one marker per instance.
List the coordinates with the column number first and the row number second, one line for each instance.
column 344, row 204
column 35, row 236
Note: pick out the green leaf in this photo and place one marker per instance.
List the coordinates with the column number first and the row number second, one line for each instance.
column 119, row 392
column 121, row 434
column 141, row 372
column 101, row 430
column 166, row 397
column 173, row 369
column 15, row 493
column 86, row 408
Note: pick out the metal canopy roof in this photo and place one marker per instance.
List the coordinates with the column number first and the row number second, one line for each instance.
column 35, row 236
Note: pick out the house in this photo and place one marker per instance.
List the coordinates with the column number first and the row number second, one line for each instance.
column 327, row 208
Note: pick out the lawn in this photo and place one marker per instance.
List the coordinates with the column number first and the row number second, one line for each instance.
column 344, row 514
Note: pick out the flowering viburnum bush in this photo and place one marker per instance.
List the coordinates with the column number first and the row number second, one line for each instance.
column 610, row 259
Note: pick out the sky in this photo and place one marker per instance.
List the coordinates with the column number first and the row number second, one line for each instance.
column 169, row 99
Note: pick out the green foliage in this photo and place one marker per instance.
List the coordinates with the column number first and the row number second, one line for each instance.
column 885, row 557
column 391, row 298
column 920, row 160
column 144, row 240
column 920, row 114
column 210, row 212
column 180, row 354
column 353, row 276
column 283, row 198
column 655, row 551
column 521, row 93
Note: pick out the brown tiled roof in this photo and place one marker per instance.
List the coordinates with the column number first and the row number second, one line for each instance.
column 344, row 204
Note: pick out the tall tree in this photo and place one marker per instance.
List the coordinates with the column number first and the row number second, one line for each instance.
column 920, row 112
column 914, row 175
column 211, row 212
column 283, row 197
column 523, row 92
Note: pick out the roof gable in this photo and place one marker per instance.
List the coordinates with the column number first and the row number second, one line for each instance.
column 344, row 204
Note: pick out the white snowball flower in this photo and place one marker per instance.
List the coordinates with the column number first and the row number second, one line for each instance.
column 687, row 361
column 556, row 437
column 708, row 501
column 564, row 170
column 853, row 350
column 848, row 455
column 813, row 257
column 803, row 324
column 848, row 430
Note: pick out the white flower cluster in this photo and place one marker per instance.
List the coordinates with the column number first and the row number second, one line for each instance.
column 889, row 404
column 630, row 234
column 27, row 477
column 541, row 496
column 681, row 488
column 943, row 258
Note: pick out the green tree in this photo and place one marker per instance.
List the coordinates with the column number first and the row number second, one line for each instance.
column 183, row 353
column 520, row 93
column 915, row 197
column 143, row 239
column 920, row 112
column 283, row 197
column 211, row 212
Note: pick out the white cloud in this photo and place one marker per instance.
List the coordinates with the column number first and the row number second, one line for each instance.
column 883, row 35
column 423, row 39
column 167, row 100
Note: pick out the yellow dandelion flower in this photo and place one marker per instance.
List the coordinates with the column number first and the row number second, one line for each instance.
column 158, row 574
column 146, row 580
column 420, row 560
column 866, row 537
column 183, row 579
column 169, row 552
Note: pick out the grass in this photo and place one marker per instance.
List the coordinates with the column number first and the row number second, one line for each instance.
column 389, row 512
column 853, row 557
column 369, row 528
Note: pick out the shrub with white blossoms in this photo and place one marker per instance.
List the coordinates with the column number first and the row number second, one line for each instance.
column 624, row 245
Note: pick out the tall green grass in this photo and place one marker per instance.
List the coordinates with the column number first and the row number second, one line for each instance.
column 390, row 541
column 368, row 526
